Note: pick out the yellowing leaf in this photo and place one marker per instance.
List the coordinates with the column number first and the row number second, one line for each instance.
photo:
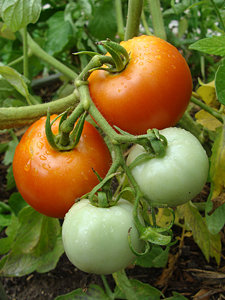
column 207, row 120
column 217, row 168
column 210, row 244
column 207, row 92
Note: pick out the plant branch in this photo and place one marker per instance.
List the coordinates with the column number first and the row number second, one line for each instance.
column 39, row 52
column 11, row 117
column 119, row 18
column 133, row 18
column 145, row 24
column 157, row 19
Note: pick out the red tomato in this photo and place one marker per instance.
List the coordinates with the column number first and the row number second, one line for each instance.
column 49, row 180
column 153, row 91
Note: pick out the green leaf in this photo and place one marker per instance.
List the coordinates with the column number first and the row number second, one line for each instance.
column 58, row 27
column 216, row 220
column 156, row 258
column 214, row 45
column 9, row 154
column 11, row 231
column 134, row 289
column 19, row 13
column 36, row 246
column 103, row 22
column 217, row 166
column 209, row 244
column 16, row 202
column 176, row 296
column 16, row 80
column 219, row 82
column 10, row 183
column 94, row 292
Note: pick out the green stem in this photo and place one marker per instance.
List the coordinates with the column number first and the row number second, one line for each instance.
column 207, row 108
column 133, row 18
column 19, row 59
column 157, row 18
column 218, row 14
column 145, row 24
column 125, row 285
column 107, row 288
column 39, row 52
column 25, row 53
column 11, row 117
column 119, row 18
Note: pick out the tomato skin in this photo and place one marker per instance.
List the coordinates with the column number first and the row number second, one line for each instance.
column 49, row 180
column 178, row 176
column 96, row 239
column 152, row 92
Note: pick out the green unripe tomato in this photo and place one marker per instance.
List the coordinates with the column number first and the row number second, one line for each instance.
column 178, row 176
column 96, row 239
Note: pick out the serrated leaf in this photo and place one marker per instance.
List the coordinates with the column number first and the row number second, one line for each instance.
column 36, row 246
column 219, row 82
column 213, row 45
column 207, row 120
column 58, row 27
column 19, row 13
column 209, row 244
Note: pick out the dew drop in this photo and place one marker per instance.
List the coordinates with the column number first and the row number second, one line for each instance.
column 46, row 166
column 174, row 67
column 40, row 145
column 27, row 166
column 39, row 134
column 42, row 157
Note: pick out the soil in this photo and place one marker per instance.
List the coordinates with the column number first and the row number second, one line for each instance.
column 187, row 272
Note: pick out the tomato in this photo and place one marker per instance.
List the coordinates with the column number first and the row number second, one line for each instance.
column 178, row 176
column 153, row 90
column 96, row 239
column 49, row 180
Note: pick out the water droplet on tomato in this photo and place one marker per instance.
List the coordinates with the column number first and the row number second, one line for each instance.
column 40, row 145
column 46, row 166
column 39, row 134
column 42, row 157
column 27, row 166
column 174, row 67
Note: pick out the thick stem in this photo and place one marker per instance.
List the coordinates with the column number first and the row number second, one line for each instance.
column 11, row 117
column 39, row 52
column 209, row 109
column 107, row 288
column 119, row 19
column 25, row 53
column 145, row 24
column 157, row 19
column 133, row 18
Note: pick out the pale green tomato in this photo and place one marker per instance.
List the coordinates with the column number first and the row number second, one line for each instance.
column 178, row 176
column 96, row 239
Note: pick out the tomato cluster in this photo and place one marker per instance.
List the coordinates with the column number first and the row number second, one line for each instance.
column 153, row 91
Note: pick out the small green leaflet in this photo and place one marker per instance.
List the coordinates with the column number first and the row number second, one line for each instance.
column 220, row 81
column 19, row 13
column 214, row 45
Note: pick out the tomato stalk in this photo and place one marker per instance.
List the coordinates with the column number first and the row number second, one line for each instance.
column 133, row 18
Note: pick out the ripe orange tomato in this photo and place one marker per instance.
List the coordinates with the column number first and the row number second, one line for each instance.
column 153, row 90
column 49, row 180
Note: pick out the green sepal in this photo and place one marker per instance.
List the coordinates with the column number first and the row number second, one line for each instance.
column 118, row 53
column 48, row 131
column 148, row 246
column 141, row 158
column 76, row 133
column 90, row 53
column 154, row 235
